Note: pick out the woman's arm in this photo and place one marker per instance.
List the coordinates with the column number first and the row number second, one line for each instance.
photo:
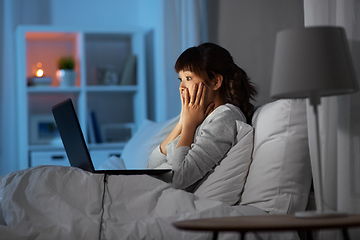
column 156, row 158
column 212, row 141
column 174, row 134
column 193, row 113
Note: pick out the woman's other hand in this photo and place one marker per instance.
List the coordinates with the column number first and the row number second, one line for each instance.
column 193, row 112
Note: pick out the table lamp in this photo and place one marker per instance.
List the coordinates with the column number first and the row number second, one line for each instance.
column 310, row 63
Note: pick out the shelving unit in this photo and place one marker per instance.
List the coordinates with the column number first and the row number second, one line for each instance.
column 118, row 108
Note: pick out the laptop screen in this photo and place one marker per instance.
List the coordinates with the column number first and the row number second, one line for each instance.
column 72, row 136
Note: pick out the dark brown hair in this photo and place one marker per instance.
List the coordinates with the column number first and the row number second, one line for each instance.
column 208, row 60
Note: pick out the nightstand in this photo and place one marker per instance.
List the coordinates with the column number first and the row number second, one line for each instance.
column 268, row 223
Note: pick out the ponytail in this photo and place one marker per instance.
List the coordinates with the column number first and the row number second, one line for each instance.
column 238, row 90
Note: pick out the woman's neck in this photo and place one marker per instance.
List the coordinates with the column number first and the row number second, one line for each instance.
column 218, row 101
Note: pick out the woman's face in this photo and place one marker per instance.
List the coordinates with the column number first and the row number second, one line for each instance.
column 188, row 79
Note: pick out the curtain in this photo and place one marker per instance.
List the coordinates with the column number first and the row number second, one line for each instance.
column 339, row 119
column 7, row 88
column 185, row 26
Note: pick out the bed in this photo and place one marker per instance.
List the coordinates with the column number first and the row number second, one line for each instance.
column 266, row 172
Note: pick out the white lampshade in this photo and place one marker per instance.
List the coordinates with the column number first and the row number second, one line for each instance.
column 312, row 60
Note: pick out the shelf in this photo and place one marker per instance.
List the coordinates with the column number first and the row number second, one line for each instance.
column 91, row 146
column 100, row 56
column 45, row 89
column 129, row 88
column 49, row 147
column 47, row 48
column 104, row 146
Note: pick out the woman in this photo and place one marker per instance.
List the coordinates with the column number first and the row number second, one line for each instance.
column 215, row 93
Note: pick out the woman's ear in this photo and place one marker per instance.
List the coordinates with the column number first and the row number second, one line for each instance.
column 218, row 81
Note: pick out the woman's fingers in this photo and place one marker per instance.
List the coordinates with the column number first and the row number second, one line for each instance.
column 197, row 97
column 182, row 96
column 202, row 90
column 193, row 95
column 186, row 97
column 199, row 93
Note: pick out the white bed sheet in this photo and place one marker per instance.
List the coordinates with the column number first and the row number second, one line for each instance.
column 54, row 202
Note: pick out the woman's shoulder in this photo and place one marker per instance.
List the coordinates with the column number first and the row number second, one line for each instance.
column 223, row 121
column 228, row 111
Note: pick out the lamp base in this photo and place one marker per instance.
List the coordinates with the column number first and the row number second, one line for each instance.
column 317, row 214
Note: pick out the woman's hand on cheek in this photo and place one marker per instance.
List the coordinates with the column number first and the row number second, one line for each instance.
column 194, row 110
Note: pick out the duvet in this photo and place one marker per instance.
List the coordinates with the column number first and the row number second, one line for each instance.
column 55, row 202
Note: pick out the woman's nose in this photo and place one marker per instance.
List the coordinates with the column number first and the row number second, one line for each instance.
column 182, row 86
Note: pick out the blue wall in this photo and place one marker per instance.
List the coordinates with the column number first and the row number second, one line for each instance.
column 80, row 13
column 172, row 30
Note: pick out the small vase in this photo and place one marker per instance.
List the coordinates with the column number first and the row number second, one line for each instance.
column 66, row 77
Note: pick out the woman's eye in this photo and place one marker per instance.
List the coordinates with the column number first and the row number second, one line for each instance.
column 188, row 78
column 180, row 79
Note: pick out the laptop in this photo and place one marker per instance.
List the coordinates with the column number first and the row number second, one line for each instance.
column 75, row 145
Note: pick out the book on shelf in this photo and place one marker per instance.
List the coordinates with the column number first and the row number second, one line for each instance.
column 90, row 128
column 94, row 129
column 128, row 76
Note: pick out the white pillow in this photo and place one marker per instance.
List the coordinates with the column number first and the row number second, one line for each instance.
column 280, row 175
column 113, row 162
column 226, row 183
column 137, row 151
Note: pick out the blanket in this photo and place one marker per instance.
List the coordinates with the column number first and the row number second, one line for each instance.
column 56, row 202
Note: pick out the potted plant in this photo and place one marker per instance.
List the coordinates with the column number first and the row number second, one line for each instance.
column 66, row 73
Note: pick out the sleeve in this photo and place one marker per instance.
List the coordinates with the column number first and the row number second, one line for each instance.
column 211, row 143
column 156, row 158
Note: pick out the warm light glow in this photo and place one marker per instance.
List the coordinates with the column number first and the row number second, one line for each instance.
column 39, row 65
column 39, row 73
